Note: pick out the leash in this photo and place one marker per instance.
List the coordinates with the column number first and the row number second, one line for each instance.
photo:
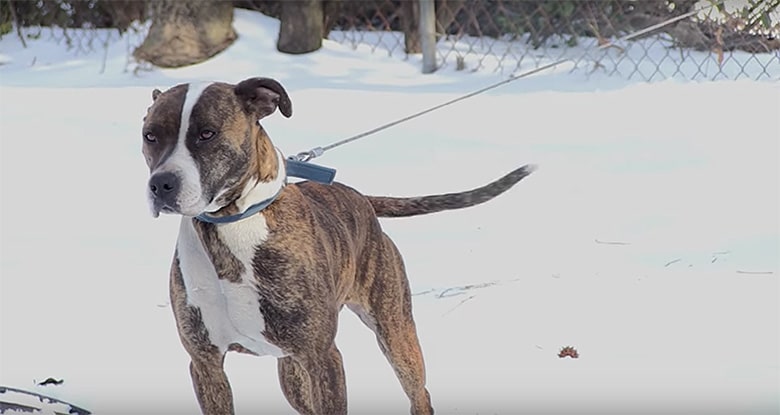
column 299, row 166
column 306, row 156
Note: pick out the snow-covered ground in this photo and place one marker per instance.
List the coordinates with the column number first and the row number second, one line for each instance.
column 648, row 239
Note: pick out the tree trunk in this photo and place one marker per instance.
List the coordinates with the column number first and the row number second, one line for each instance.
column 301, row 26
column 332, row 10
column 410, row 24
column 446, row 12
column 186, row 32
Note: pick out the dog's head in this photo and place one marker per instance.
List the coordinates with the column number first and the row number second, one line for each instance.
column 203, row 144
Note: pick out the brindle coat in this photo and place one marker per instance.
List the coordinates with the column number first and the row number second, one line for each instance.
column 323, row 248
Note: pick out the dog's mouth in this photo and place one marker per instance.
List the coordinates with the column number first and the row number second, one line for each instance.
column 167, row 207
column 158, row 206
column 157, row 210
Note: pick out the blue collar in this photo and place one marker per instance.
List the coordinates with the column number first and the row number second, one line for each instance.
column 294, row 168
column 257, row 207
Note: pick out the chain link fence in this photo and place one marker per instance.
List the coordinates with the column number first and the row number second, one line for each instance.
column 73, row 24
column 726, row 40
column 81, row 27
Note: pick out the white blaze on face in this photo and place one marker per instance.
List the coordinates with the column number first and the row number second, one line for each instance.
column 181, row 163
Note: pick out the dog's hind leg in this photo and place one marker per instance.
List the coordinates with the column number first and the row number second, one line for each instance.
column 387, row 310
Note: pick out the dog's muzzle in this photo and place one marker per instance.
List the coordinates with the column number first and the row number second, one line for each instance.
column 164, row 190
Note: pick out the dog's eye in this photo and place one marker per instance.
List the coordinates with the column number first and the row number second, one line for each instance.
column 206, row 135
column 150, row 138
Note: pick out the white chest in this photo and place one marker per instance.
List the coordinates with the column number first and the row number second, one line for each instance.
column 229, row 310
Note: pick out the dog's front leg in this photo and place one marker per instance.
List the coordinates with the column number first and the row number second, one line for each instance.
column 211, row 386
column 208, row 376
column 328, row 383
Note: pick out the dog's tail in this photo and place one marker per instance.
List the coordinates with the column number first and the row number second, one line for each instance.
column 395, row 207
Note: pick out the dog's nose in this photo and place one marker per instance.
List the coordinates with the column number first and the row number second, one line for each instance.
column 162, row 184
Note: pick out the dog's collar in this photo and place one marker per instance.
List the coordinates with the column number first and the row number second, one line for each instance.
column 251, row 210
column 294, row 168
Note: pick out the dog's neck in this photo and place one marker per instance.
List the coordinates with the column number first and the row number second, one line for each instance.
column 260, row 189
column 264, row 181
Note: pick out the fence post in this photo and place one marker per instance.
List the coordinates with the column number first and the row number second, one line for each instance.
column 428, row 35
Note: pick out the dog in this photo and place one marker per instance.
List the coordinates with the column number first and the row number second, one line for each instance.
column 272, row 280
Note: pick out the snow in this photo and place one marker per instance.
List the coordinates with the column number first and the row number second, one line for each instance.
column 648, row 239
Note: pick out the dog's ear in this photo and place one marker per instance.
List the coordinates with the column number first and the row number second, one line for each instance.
column 156, row 93
column 261, row 96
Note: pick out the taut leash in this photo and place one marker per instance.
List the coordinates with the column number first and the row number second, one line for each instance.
column 305, row 156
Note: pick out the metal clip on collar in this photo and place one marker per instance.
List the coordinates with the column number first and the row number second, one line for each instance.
column 299, row 166
column 308, row 155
